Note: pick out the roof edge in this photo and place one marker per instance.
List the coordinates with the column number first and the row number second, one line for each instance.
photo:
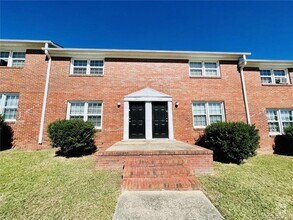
column 269, row 63
column 30, row 42
column 148, row 51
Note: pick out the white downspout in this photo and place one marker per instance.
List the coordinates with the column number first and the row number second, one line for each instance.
column 40, row 140
column 242, row 64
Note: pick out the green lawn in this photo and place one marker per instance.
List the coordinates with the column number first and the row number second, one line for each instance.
column 37, row 185
column 262, row 188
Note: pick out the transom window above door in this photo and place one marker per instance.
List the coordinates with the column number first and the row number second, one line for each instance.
column 206, row 113
column 87, row 67
column 87, row 111
column 208, row 69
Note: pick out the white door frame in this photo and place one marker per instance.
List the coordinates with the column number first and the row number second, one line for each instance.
column 148, row 96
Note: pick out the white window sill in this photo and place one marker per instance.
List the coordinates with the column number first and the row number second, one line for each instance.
column 273, row 134
column 12, row 67
column 203, row 77
column 10, row 120
column 199, row 127
column 86, row 75
column 274, row 84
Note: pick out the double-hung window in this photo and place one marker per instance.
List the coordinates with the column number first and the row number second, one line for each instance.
column 12, row 59
column 279, row 119
column 206, row 113
column 9, row 105
column 274, row 76
column 87, row 67
column 209, row 69
column 87, row 111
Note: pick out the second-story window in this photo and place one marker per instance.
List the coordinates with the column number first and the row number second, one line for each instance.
column 209, row 69
column 274, row 76
column 87, row 67
column 12, row 59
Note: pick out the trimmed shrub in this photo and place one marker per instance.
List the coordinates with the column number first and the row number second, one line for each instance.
column 6, row 135
column 73, row 137
column 289, row 132
column 284, row 143
column 231, row 141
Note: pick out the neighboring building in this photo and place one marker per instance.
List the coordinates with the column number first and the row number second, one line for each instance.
column 131, row 94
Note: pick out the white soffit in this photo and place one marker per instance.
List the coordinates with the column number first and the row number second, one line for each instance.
column 270, row 63
column 7, row 44
column 144, row 54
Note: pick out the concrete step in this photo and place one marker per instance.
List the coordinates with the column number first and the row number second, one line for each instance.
column 148, row 184
column 156, row 171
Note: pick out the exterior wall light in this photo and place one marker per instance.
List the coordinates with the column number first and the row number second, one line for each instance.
column 176, row 104
column 118, row 104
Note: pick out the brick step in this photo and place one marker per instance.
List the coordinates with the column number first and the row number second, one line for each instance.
column 178, row 183
column 151, row 162
column 154, row 172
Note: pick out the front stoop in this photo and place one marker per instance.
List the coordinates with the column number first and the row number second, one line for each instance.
column 157, row 166
column 157, row 173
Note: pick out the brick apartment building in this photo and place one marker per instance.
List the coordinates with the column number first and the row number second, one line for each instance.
column 130, row 94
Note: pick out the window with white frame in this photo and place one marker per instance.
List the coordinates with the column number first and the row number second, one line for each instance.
column 279, row 119
column 274, row 76
column 12, row 58
column 87, row 111
column 209, row 69
column 87, row 67
column 9, row 105
column 206, row 113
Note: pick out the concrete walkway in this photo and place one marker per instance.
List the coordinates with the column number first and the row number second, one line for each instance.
column 169, row 205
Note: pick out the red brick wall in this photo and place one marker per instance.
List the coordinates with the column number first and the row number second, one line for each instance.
column 260, row 97
column 29, row 82
column 123, row 77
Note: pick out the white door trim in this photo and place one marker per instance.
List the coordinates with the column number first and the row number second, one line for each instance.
column 148, row 121
column 148, row 96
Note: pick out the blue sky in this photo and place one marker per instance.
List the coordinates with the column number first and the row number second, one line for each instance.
column 263, row 28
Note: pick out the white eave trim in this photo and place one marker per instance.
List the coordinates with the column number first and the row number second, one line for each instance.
column 270, row 63
column 29, row 44
column 146, row 54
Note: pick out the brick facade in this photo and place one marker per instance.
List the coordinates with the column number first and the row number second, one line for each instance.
column 261, row 97
column 29, row 82
column 123, row 76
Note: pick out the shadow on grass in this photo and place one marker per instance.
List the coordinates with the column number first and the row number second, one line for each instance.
column 76, row 152
column 6, row 136
column 283, row 145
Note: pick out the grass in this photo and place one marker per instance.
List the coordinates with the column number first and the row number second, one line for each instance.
column 37, row 185
column 262, row 188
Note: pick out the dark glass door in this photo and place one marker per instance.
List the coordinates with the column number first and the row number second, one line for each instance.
column 160, row 120
column 136, row 120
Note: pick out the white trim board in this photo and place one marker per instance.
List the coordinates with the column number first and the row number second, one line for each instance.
column 148, row 95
